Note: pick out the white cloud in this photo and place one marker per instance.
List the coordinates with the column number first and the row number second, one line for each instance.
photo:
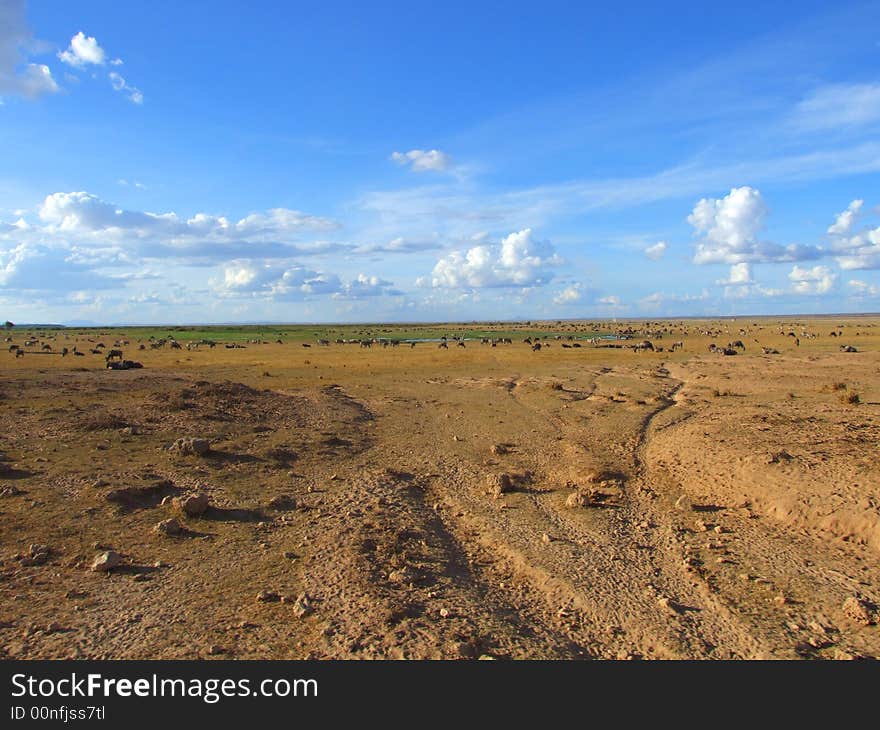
column 844, row 221
column 286, row 282
column 83, row 51
column 656, row 251
column 569, row 295
column 863, row 288
column 119, row 84
column 399, row 245
column 854, row 250
column 611, row 301
column 740, row 274
column 839, row 105
column 817, row 280
column 729, row 229
column 17, row 77
column 85, row 214
column 519, row 261
column 422, row 160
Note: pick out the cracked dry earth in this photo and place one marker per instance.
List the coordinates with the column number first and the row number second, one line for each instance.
column 728, row 507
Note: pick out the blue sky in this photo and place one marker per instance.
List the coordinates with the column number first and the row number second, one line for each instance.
column 216, row 161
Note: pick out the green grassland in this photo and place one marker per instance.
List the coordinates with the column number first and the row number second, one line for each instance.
column 297, row 333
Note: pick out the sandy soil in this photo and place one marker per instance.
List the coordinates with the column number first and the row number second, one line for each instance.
column 680, row 504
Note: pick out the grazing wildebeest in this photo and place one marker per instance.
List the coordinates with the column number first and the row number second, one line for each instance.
column 728, row 351
column 64, row 352
column 443, row 345
column 536, row 347
column 412, row 345
column 644, row 345
column 19, row 352
column 848, row 348
column 738, row 343
column 47, row 348
column 306, row 344
column 114, row 355
column 461, row 344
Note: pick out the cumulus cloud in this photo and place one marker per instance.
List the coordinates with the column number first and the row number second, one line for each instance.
column 295, row 282
column 570, row 295
column 83, row 214
column 519, row 261
column 844, row 221
column 656, row 251
column 739, row 274
column 854, row 249
column 728, row 228
column 83, row 51
column 863, row 288
column 816, row 280
column 17, row 76
column 422, row 160
column 839, row 105
column 28, row 267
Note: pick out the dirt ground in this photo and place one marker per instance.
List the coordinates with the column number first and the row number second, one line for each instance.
column 462, row 502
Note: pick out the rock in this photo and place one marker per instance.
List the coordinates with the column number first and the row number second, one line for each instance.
column 196, row 446
column 402, row 575
column 106, row 561
column 859, row 610
column 268, row 597
column 683, row 503
column 500, row 484
column 302, row 606
column 169, row 527
column 500, row 449
column 193, row 504
column 577, row 499
column 282, row 503
column 546, row 539
column 215, row 649
column 37, row 555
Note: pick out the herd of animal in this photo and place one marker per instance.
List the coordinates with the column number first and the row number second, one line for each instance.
column 620, row 338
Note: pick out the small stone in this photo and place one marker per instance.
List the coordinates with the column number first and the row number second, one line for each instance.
column 215, row 649
column 193, row 504
column 500, row 484
column 858, row 610
column 168, row 527
column 282, row 503
column 268, row 597
column 683, row 503
column 780, row 600
column 196, row 446
column 106, row 561
column 546, row 539
column 576, row 500
column 302, row 606
column 500, row 449
column 444, row 613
